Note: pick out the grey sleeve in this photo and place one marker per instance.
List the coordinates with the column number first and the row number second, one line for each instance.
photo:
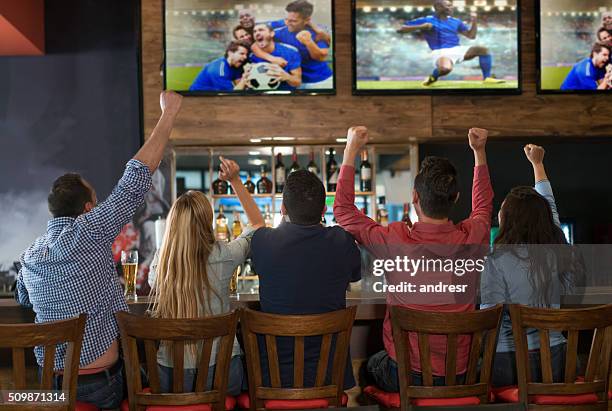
column 544, row 188
column 492, row 286
column 240, row 247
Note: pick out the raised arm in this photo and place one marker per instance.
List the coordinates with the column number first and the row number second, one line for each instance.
column 473, row 30
column 482, row 191
column 230, row 173
column 416, row 27
column 535, row 155
column 317, row 51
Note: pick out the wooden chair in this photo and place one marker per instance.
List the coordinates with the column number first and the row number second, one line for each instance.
column 18, row 337
column 481, row 326
column 269, row 326
column 178, row 331
column 589, row 393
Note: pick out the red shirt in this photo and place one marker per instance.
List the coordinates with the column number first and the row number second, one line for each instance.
column 473, row 230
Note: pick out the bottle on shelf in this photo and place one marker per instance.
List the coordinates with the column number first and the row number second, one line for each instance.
column 312, row 166
column 365, row 173
column 382, row 216
column 406, row 216
column 222, row 232
column 264, row 185
column 268, row 220
column 236, row 225
column 249, row 185
column 295, row 166
column 220, row 186
column 332, row 172
column 279, row 174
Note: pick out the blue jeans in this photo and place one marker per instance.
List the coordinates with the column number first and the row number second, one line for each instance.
column 103, row 389
column 234, row 386
column 382, row 369
column 504, row 366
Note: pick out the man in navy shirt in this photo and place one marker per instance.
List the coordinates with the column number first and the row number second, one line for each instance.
column 304, row 268
column 298, row 32
column 442, row 35
column 224, row 73
column 590, row 73
column 291, row 76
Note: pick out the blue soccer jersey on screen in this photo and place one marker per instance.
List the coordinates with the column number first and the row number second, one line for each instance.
column 277, row 24
column 290, row 54
column 445, row 32
column 217, row 75
column 313, row 71
column 583, row 76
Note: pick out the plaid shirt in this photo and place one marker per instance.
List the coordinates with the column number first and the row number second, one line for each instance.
column 70, row 269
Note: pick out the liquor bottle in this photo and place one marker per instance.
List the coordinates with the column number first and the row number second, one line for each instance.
column 279, row 173
column 323, row 221
column 268, row 220
column 365, row 173
column 406, row 216
column 222, row 232
column 249, row 185
column 219, row 186
column 264, row 185
column 312, row 166
column 295, row 166
column 332, row 172
column 236, row 225
column 382, row 216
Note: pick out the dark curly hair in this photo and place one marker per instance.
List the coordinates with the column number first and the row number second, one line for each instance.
column 68, row 196
column 437, row 187
column 304, row 197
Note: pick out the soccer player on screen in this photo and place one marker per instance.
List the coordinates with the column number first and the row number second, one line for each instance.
column 442, row 35
column 590, row 73
column 224, row 73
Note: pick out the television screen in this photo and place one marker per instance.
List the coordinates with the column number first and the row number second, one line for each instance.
column 436, row 46
column 566, row 227
column 574, row 47
column 259, row 47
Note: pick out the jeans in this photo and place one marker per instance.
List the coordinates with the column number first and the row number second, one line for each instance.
column 504, row 366
column 382, row 369
column 103, row 389
column 234, row 386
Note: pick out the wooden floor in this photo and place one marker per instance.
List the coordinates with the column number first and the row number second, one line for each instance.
column 6, row 378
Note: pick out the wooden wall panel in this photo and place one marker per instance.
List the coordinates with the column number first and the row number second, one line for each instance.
column 392, row 119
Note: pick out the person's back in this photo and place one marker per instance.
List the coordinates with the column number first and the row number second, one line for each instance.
column 304, row 268
column 434, row 195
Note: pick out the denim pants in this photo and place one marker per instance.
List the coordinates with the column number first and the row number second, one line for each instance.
column 103, row 389
column 234, row 386
column 504, row 366
column 382, row 369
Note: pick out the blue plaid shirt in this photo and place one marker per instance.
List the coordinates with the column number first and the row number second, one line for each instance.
column 70, row 270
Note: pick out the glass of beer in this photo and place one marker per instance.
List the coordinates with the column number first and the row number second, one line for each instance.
column 129, row 263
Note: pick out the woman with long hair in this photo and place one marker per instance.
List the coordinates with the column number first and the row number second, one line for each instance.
column 191, row 274
column 530, row 265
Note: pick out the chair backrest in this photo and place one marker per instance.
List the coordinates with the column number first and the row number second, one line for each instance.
column 480, row 326
column 597, row 319
column 177, row 332
column 18, row 337
column 336, row 325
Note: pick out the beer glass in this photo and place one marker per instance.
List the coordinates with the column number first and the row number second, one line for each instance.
column 129, row 263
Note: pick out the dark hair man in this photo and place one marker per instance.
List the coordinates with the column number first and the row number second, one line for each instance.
column 243, row 35
column 224, row 73
column 603, row 36
column 70, row 269
column 590, row 73
column 304, row 268
column 435, row 192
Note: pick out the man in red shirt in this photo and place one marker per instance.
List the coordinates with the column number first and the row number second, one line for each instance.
column 435, row 193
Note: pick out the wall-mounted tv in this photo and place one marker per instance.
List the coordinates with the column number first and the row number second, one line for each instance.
column 436, row 46
column 217, row 47
column 574, row 47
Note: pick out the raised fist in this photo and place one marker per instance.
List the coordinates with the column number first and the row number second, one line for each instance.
column 170, row 101
column 535, row 154
column 304, row 36
column 356, row 138
column 229, row 169
column 478, row 138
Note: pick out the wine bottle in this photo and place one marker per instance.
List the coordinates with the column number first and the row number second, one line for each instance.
column 220, row 186
column 365, row 173
column 221, row 229
column 279, row 173
column 382, row 216
column 312, row 166
column 295, row 166
column 264, row 185
column 249, row 185
column 268, row 220
column 236, row 225
column 406, row 217
column 332, row 172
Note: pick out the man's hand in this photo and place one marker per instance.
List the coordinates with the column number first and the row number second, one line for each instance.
column 277, row 72
column 304, row 37
column 356, row 139
column 535, row 154
column 478, row 138
column 170, row 102
column 229, row 170
column 473, row 17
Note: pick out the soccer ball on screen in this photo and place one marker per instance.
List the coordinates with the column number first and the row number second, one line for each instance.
column 260, row 80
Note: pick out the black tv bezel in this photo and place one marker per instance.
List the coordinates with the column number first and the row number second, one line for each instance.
column 438, row 92
column 303, row 92
column 539, row 88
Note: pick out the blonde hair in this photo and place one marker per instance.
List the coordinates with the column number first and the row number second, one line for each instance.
column 182, row 288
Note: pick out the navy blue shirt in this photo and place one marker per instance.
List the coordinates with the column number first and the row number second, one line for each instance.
column 303, row 270
column 583, row 76
column 290, row 54
column 217, row 75
column 445, row 32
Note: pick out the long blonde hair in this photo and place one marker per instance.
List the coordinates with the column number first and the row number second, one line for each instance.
column 182, row 288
